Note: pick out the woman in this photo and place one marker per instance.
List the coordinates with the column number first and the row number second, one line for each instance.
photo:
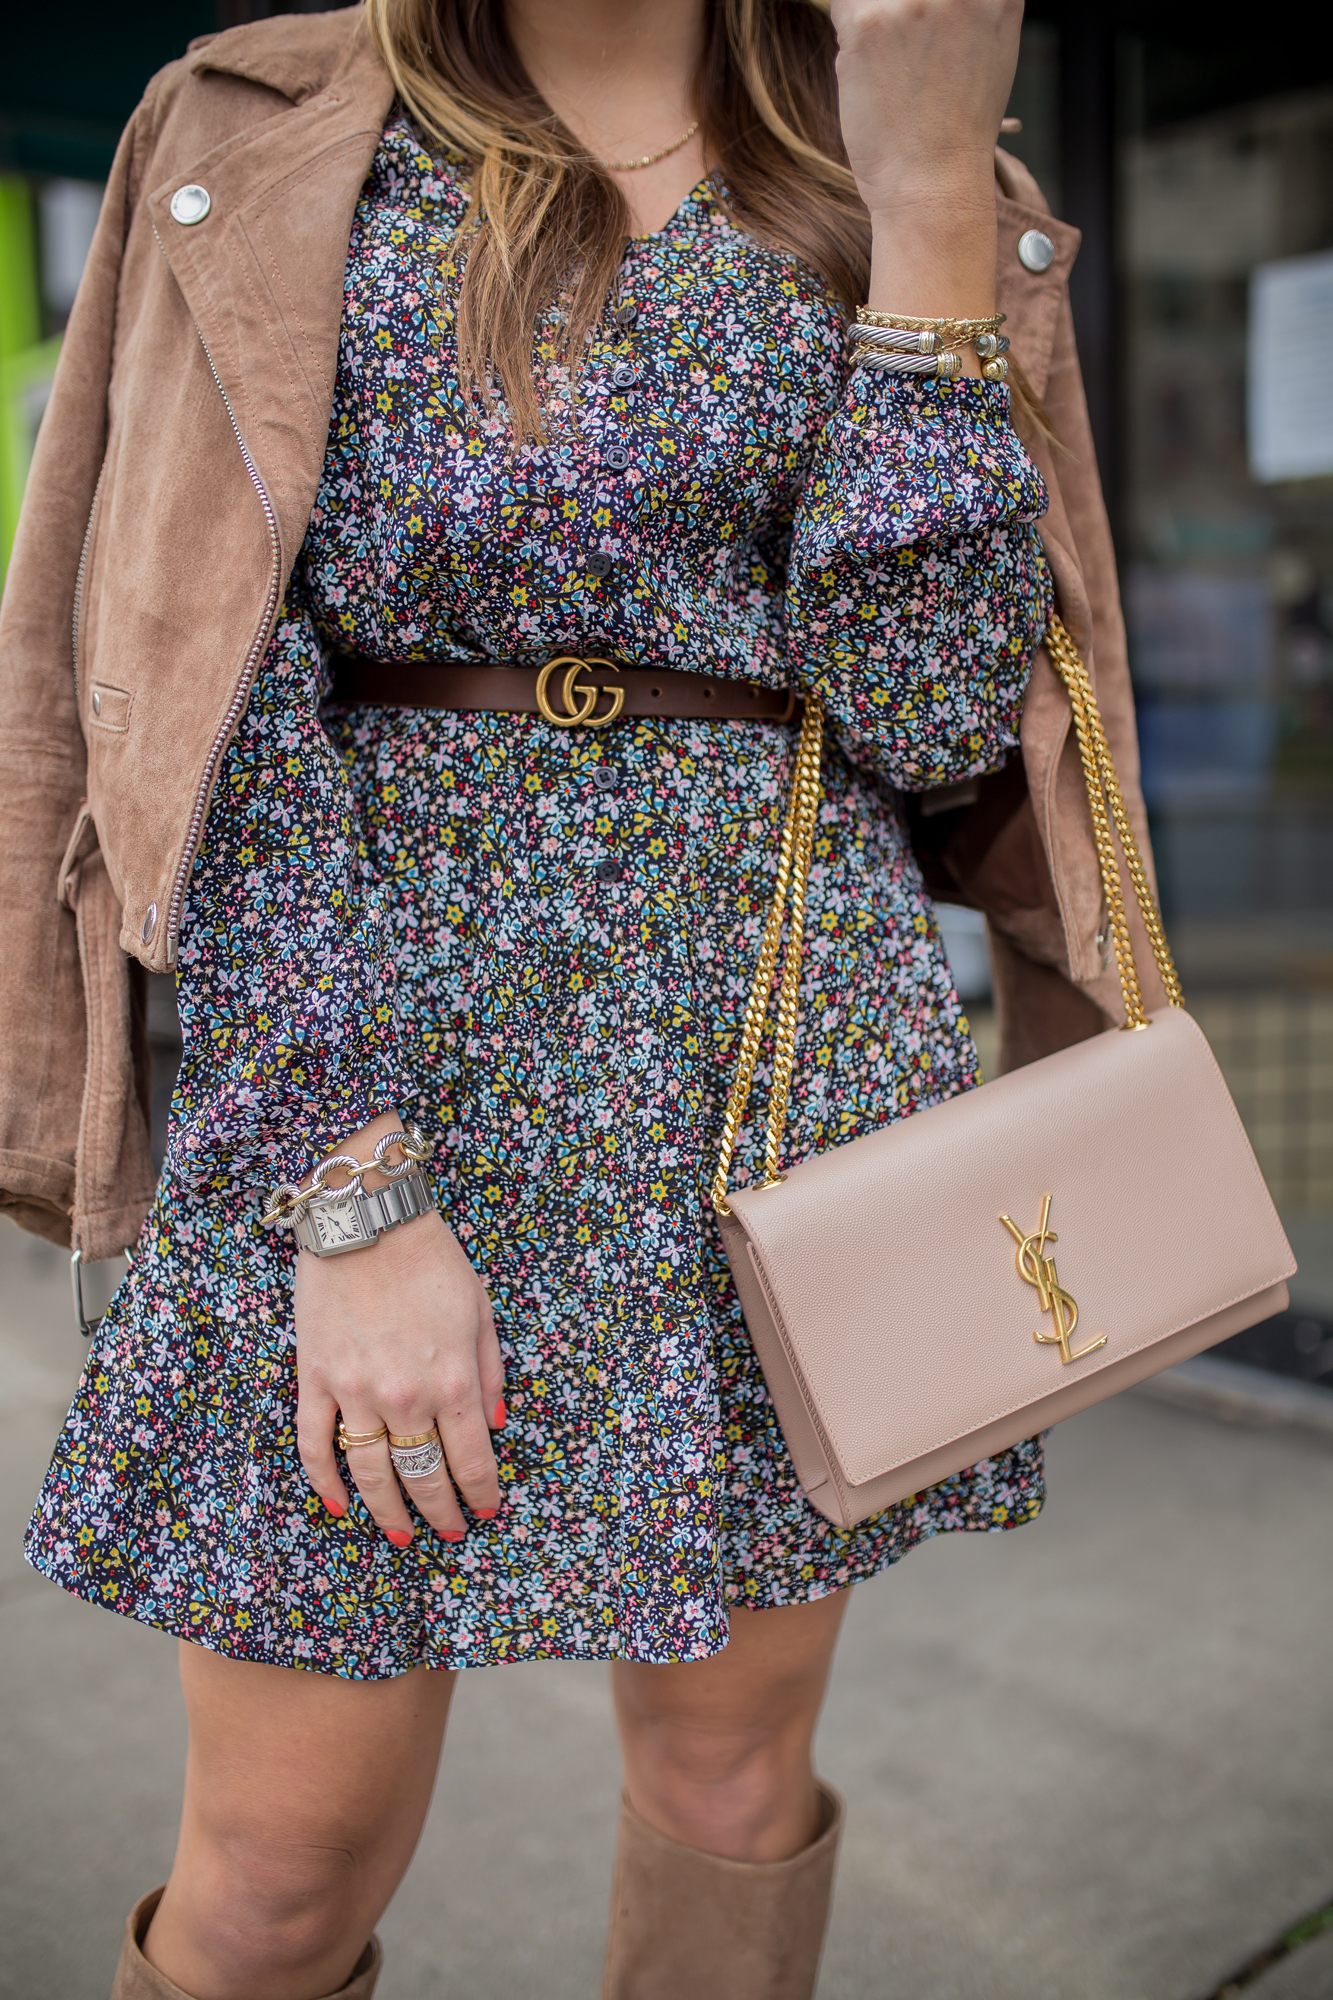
column 591, row 399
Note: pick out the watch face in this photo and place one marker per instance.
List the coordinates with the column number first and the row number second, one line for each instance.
column 336, row 1225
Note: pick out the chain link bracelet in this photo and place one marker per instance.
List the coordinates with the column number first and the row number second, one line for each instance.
column 288, row 1201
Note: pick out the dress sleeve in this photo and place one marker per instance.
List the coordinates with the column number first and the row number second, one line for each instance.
column 917, row 591
column 286, row 986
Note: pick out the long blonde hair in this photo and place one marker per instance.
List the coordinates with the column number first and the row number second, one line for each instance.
column 546, row 222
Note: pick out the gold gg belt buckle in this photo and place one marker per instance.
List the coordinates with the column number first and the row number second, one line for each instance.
column 589, row 693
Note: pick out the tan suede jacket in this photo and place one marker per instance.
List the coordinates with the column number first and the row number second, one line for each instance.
column 170, row 491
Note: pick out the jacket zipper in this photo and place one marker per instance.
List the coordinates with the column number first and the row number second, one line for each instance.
column 76, row 632
column 257, row 645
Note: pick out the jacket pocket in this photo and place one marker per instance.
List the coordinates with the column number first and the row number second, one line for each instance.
column 113, row 1171
column 110, row 706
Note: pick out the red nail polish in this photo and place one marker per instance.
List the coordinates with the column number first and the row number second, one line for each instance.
column 501, row 1416
column 452, row 1534
column 400, row 1537
column 335, row 1507
column 485, row 1513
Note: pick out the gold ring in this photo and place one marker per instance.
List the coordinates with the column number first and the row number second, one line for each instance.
column 346, row 1439
column 406, row 1443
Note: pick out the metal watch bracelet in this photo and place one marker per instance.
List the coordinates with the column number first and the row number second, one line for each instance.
column 331, row 1224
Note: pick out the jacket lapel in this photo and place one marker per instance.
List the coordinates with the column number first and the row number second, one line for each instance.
column 262, row 274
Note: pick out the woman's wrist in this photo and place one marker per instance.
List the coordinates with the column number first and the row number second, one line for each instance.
column 935, row 260
column 371, row 1183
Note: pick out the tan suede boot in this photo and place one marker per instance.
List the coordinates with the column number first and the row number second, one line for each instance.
column 136, row 1979
column 686, row 1925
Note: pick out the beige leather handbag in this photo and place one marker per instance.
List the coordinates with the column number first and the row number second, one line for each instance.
column 905, row 1293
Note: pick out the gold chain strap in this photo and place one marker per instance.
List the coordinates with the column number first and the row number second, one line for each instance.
column 1107, row 807
column 1104, row 792
column 797, row 838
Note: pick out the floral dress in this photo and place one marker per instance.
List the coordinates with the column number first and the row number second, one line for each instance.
column 538, row 943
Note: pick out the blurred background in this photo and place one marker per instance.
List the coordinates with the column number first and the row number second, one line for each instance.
column 1087, row 1762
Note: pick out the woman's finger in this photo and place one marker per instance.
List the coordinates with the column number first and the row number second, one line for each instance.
column 434, row 1498
column 316, row 1415
column 490, row 1368
column 372, row 1470
column 466, row 1438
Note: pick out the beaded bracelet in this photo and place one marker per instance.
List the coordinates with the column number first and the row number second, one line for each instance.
column 287, row 1201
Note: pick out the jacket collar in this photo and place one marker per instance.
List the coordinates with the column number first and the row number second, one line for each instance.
column 295, row 54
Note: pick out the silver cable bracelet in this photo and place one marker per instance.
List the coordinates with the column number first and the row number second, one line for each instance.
column 946, row 367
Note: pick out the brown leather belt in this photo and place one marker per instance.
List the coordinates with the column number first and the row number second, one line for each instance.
column 569, row 691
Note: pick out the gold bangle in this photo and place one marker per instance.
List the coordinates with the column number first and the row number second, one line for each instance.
column 406, row 1443
column 347, row 1441
column 963, row 330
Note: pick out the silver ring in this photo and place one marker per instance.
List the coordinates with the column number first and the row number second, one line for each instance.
column 417, row 1461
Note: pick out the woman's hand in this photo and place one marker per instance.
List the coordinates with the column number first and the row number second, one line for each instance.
column 922, row 87
column 399, row 1334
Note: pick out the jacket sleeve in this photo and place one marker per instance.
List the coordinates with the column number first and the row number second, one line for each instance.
column 75, row 1162
column 286, row 982
column 917, row 591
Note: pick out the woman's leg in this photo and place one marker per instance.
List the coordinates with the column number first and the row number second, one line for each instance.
column 717, row 1752
column 304, row 1798
column 727, row 1847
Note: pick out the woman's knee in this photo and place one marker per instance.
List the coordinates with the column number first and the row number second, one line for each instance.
column 304, row 1799
column 717, row 1753
column 279, row 1898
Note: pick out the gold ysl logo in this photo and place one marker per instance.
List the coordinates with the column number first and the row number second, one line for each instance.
column 589, row 694
column 1036, row 1268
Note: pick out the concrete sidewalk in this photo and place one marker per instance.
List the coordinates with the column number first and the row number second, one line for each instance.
column 1086, row 1761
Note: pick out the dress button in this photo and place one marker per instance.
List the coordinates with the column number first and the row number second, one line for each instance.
column 623, row 376
column 616, row 456
column 608, row 871
column 1036, row 252
column 606, row 777
column 627, row 315
column 600, row 563
column 191, row 203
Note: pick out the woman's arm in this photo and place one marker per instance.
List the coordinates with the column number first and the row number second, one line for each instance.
column 293, row 1040
column 917, row 591
column 400, row 1334
column 923, row 86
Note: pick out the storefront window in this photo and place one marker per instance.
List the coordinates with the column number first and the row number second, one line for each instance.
column 1227, row 561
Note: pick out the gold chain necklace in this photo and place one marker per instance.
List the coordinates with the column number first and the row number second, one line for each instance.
column 649, row 159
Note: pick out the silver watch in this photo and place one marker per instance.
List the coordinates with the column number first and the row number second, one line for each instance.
column 352, row 1219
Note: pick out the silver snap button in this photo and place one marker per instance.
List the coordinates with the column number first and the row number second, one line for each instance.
column 191, row 204
column 150, row 923
column 97, row 702
column 1036, row 252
